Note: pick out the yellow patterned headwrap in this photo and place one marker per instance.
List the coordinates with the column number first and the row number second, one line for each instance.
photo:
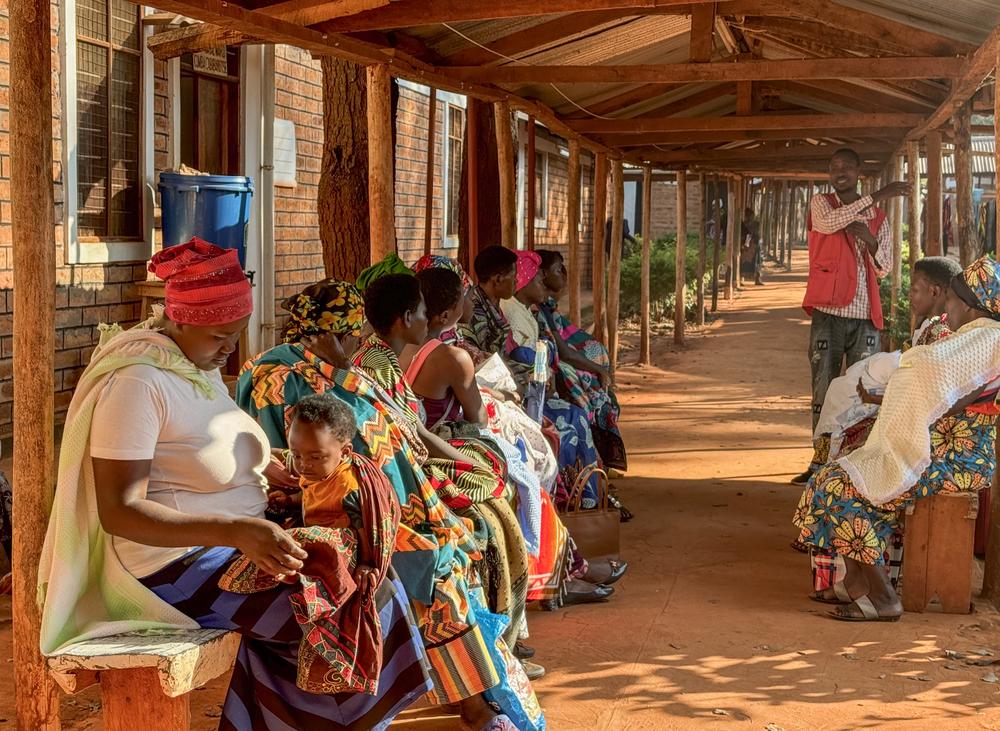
column 329, row 306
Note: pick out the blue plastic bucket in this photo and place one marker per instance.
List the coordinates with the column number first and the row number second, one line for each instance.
column 215, row 208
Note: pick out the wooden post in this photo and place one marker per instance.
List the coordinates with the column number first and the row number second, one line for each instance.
column 968, row 239
column 597, row 262
column 615, row 263
column 530, row 202
column 716, row 239
column 647, row 241
column 737, row 250
column 573, row 235
column 431, row 159
column 913, row 202
column 680, row 260
column 732, row 236
column 779, row 222
column 34, row 263
column 790, row 225
column 702, row 254
column 508, row 175
column 897, row 242
column 934, row 200
column 381, row 193
column 472, row 179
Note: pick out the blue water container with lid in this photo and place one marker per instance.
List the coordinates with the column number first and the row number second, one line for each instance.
column 215, row 208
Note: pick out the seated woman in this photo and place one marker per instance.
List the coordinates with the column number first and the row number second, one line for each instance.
column 501, row 274
column 443, row 374
column 435, row 550
column 469, row 472
column 583, row 367
column 161, row 488
column 935, row 432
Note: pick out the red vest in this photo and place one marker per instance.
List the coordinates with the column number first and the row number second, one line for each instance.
column 833, row 268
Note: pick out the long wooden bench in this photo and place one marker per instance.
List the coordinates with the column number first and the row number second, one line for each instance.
column 146, row 678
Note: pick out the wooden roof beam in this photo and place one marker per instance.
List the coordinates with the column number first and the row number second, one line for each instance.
column 194, row 38
column 410, row 13
column 979, row 67
column 625, row 141
column 310, row 12
column 690, row 101
column 797, row 153
column 750, row 123
column 850, row 95
column 688, row 73
column 529, row 39
column 702, row 33
column 274, row 30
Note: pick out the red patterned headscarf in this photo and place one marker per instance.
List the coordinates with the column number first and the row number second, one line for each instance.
column 528, row 264
column 205, row 284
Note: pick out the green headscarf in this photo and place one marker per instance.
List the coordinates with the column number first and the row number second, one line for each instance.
column 391, row 264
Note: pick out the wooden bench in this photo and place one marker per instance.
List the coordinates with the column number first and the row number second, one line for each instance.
column 938, row 552
column 146, row 677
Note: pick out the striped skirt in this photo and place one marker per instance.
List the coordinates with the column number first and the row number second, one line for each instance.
column 262, row 692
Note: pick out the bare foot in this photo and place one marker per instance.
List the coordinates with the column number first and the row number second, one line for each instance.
column 476, row 712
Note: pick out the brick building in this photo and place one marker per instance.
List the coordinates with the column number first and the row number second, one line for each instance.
column 120, row 117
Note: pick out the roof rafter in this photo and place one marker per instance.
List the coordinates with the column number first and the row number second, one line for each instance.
column 685, row 73
column 750, row 123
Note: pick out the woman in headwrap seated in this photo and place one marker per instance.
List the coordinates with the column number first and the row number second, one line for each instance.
column 442, row 376
column 934, row 433
column 468, row 470
column 435, row 549
column 583, row 367
column 160, row 491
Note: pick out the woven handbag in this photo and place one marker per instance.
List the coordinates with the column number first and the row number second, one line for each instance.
column 596, row 532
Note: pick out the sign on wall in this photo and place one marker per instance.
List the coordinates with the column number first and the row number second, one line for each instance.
column 212, row 62
column 284, row 153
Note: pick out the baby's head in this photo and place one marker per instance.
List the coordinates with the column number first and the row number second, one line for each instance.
column 320, row 435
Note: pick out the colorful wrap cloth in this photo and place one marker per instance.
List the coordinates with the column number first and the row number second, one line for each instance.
column 329, row 306
column 341, row 648
column 205, row 285
column 434, row 261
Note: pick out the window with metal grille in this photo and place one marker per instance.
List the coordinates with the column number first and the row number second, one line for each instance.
column 456, row 135
column 541, row 188
column 108, row 109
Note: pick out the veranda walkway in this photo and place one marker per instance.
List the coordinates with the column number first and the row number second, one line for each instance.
column 712, row 628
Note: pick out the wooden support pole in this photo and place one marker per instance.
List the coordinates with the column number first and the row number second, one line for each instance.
column 647, row 241
column 381, row 191
column 702, row 254
column 431, row 159
column 996, row 168
column 530, row 203
column 935, row 242
column 34, row 262
column 573, row 235
column 790, row 225
column 680, row 260
column 779, row 224
column 732, row 237
column 615, row 262
column 597, row 239
column 968, row 239
column 506, row 165
column 472, row 179
column 913, row 201
column 716, row 238
column 738, row 249
column 897, row 244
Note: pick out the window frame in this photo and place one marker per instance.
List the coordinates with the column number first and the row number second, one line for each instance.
column 450, row 101
column 543, row 199
column 104, row 250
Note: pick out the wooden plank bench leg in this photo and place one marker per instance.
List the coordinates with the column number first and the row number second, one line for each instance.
column 133, row 699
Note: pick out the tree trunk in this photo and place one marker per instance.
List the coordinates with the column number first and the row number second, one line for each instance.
column 343, row 181
column 488, row 185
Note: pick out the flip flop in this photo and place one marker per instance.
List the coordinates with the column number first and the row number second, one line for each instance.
column 868, row 612
column 840, row 595
column 800, row 546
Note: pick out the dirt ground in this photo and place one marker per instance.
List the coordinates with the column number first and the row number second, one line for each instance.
column 712, row 628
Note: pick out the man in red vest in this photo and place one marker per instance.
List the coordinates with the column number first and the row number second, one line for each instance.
column 850, row 248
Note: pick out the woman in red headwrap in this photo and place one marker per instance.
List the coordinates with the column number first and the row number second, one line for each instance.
column 161, row 490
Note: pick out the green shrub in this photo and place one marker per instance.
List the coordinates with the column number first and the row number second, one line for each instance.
column 898, row 328
column 662, row 278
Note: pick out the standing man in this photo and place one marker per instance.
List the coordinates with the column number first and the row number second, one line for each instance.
column 850, row 248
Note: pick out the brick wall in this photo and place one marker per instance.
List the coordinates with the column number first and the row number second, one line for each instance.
column 85, row 295
column 664, row 207
column 298, row 251
column 555, row 233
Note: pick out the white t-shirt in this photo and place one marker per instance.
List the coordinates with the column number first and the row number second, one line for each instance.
column 207, row 455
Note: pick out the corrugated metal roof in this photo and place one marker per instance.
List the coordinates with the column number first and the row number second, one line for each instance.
column 963, row 20
column 983, row 159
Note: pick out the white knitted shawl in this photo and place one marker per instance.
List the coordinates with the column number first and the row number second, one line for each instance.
column 930, row 380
